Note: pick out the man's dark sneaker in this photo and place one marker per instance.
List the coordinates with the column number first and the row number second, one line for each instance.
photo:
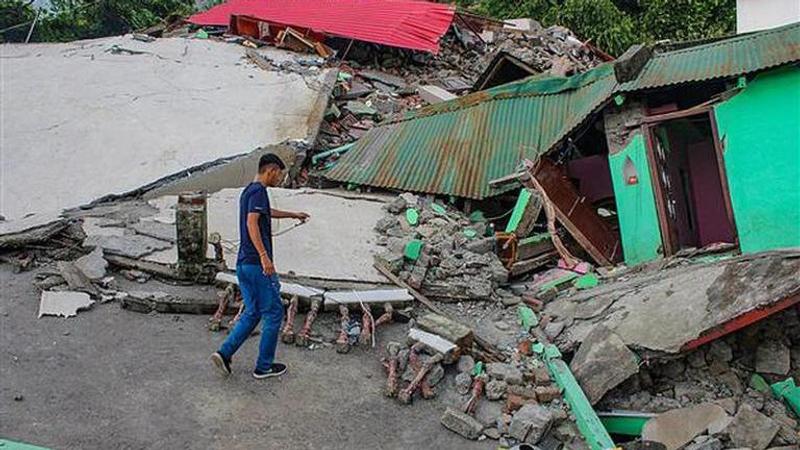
column 275, row 370
column 221, row 363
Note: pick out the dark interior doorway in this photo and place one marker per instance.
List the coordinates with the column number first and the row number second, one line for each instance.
column 692, row 184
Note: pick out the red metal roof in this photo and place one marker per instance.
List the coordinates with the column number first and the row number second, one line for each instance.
column 412, row 24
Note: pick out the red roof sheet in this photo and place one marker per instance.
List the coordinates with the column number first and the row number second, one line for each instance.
column 412, row 24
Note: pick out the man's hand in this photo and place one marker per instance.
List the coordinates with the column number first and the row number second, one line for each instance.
column 301, row 216
column 266, row 265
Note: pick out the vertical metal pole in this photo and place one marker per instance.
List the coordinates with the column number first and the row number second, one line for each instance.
column 30, row 31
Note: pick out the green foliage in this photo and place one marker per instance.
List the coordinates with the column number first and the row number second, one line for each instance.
column 15, row 12
column 614, row 25
column 68, row 20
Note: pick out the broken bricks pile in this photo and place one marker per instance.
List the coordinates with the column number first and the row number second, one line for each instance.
column 439, row 251
column 513, row 402
column 738, row 391
column 378, row 82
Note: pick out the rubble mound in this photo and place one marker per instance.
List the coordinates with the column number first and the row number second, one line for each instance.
column 439, row 251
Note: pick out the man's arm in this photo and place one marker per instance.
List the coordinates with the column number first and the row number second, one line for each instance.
column 279, row 214
column 255, row 237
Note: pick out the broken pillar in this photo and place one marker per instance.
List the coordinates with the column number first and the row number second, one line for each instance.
column 191, row 223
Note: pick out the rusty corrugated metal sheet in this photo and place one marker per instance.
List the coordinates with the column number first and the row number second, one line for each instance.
column 457, row 147
column 721, row 59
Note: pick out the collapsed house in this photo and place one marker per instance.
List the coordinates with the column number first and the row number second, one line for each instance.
column 647, row 160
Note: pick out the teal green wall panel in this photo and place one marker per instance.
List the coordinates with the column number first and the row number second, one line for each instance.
column 760, row 131
column 636, row 207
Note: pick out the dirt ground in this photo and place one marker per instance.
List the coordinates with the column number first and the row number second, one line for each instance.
column 111, row 378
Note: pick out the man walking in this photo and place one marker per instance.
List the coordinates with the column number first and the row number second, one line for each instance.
column 258, row 281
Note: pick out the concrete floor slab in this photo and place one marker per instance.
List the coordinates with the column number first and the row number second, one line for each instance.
column 663, row 311
column 109, row 122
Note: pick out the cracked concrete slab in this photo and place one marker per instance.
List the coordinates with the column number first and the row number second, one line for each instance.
column 663, row 311
column 63, row 303
column 109, row 122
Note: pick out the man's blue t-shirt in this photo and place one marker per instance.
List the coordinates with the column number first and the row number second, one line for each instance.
column 254, row 199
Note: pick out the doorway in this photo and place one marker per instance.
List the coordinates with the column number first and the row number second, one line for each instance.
column 690, row 183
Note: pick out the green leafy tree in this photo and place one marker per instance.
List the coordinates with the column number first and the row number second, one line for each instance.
column 15, row 15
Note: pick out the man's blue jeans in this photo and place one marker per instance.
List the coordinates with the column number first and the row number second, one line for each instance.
column 262, row 301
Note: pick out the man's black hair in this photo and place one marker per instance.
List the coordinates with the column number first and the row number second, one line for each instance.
column 270, row 159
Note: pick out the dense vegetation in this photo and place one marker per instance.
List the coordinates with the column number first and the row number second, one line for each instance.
column 67, row 20
column 612, row 25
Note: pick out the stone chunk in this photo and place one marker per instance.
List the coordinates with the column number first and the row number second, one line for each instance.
column 453, row 331
column 602, row 362
column 495, row 389
column 461, row 423
column 708, row 444
column 677, row 427
column 530, row 423
column 752, row 429
column 503, row 371
column 63, row 303
column 774, row 357
column 719, row 351
column 93, row 265
column 466, row 364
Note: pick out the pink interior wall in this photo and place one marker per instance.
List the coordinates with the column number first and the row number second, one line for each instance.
column 712, row 218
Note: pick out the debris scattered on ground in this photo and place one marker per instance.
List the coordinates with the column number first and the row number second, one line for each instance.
column 63, row 303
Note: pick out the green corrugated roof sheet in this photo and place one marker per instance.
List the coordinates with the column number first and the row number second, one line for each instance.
column 457, row 147
column 725, row 58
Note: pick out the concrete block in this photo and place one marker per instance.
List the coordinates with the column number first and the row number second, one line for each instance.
column 453, row 331
column 530, row 423
column 434, row 94
column 435, row 343
column 397, row 297
column 461, row 423
column 503, row 371
column 752, row 429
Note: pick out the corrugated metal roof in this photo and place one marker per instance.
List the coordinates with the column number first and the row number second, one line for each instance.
column 721, row 59
column 412, row 24
column 457, row 147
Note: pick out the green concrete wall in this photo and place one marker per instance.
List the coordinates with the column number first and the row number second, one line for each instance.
column 760, row 130
column 636, row 207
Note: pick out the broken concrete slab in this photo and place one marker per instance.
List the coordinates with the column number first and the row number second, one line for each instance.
column 435, row 343
column 75, row 278
column 434, row 94
column 158, row 230
column 340, row 234
column 752, row 429
column 678, row 427
column 30, row 229
column 163, row 302
column 461, row 423
column 93, row 265
column 681, row 308
column 63, row 303
column 602, row 362
column 449, row 329
column 773, row 357
column 376, row 297
column 287, row 289
column 132, row 246
column 73, row 119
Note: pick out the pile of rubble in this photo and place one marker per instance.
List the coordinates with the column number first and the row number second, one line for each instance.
column 439, row 251
column 738, row 382
column 377, row 81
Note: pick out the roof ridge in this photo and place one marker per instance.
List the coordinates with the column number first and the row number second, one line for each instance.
column 729, row 40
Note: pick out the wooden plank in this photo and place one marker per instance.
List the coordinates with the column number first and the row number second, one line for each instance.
column 576, row 214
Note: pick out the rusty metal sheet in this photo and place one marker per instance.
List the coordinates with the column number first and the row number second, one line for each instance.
column 457, row 147
column 725, row 58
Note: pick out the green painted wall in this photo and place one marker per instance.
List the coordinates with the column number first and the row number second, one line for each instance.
column 760, row 129
column 636, row 207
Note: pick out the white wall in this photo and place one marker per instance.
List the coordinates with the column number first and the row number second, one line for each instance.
column 753, row 15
